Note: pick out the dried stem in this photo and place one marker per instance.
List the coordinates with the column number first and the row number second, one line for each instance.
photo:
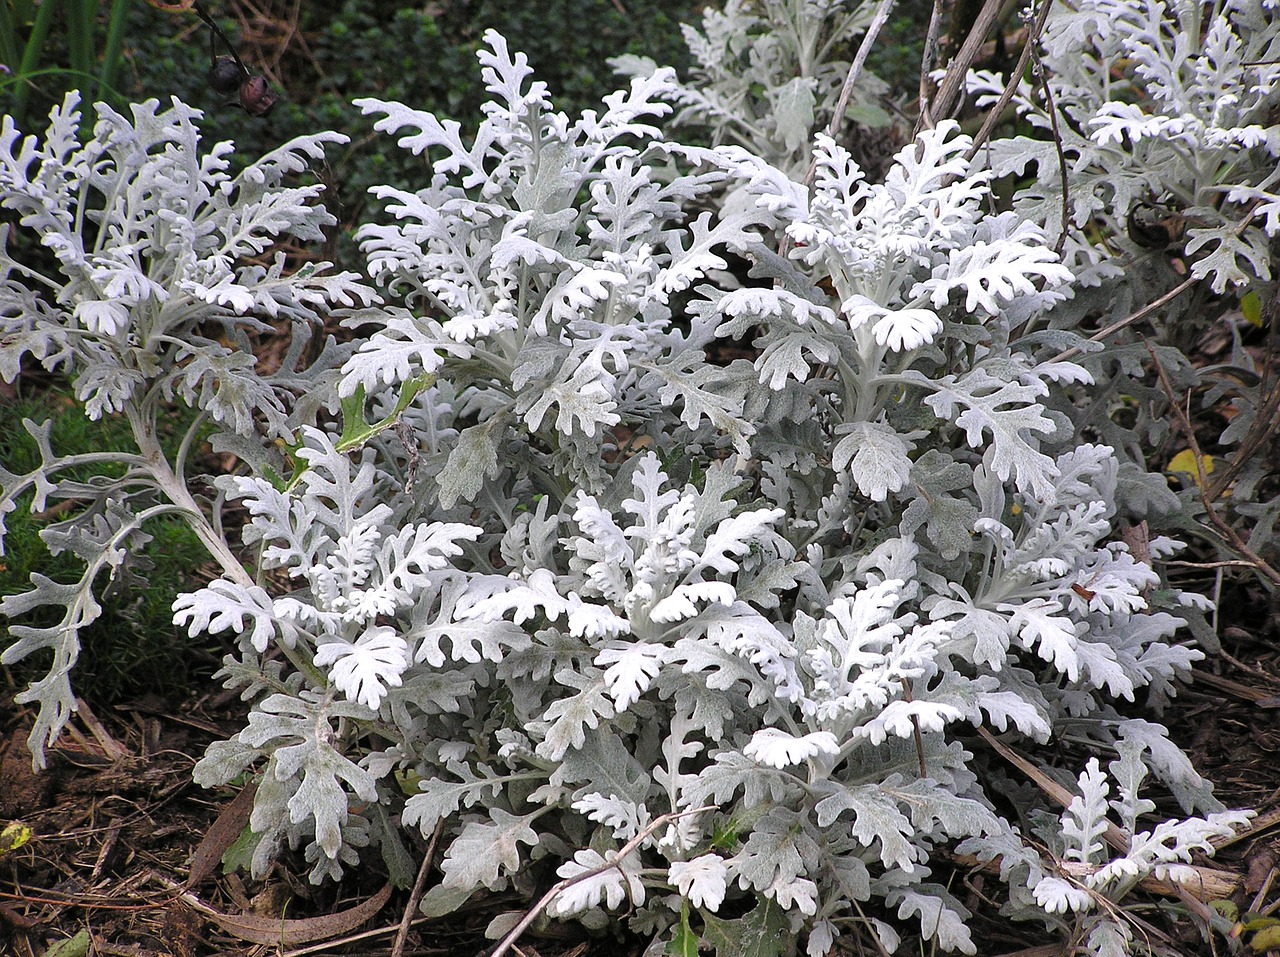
column 415, row 895
column 217, row 31
column 855, row 70
column 1233, row 538
column 509, row 941
column 948, row 98
column 915, row 728
column 1129, row 320
column 927, row 61
column 1040, row 75
column 994, row 114
column 1151, row 307
column 846, row 91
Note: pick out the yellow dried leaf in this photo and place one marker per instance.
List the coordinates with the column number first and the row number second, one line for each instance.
column 13, row 837
column 1266, row 939
column 1185, row 461
column 1251, row 308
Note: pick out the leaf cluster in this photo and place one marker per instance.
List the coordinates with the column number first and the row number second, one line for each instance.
column 711, row 641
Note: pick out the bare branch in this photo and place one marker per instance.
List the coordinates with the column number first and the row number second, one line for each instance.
column 997, row 111
column 1129, row 320
column 415, row 895
column 1233, row 538
column 948, row 98
column 509, row 941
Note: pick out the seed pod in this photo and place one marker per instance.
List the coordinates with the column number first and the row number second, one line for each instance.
column 256, row 96
column 1155, row 227
column 225, row 75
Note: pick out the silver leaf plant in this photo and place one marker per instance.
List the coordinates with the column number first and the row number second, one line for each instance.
column 590, row 580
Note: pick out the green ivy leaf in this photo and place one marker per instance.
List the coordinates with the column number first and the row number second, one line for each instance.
column 356, row 431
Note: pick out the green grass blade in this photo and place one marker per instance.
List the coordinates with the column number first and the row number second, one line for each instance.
column 80, row 21
column 31, row 55
column 9, row 49
column 116, row 25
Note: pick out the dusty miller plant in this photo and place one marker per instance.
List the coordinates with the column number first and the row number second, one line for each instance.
column 1164, row 116
column 1161, row 108
column 595, row 592
column 135, row 285
column 606, row 582
column 768, row 74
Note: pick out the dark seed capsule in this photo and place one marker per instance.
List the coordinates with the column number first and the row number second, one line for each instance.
column 225, row 75
column 256, row 96
column 1155, row 227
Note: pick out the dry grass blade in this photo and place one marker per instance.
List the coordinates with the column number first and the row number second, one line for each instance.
column 1056, row 792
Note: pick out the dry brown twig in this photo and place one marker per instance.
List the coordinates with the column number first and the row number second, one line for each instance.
column 1065, row 222
column 1129, row 320
column 1238, row 544
column 948, row 97
column 415, row 895
column 927, row 60
column 851, row 79
column 508, row 942
column 1156, row 304
column 997, row 111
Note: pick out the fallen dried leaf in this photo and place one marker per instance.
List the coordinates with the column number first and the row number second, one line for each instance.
column 290, row 932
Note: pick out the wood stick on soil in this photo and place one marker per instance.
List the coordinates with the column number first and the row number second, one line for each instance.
column 415, row 895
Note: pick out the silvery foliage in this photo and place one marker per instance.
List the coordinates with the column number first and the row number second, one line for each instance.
column 594, row 580
column 1165, row 111
column 1159, row 104
column 1089, row 880
column 768, row 73
column 139, row 290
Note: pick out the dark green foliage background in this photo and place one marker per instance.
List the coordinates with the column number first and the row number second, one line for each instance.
column 419, row 54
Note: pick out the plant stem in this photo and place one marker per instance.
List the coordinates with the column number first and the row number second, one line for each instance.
column 176, row 491
column 509, row 941
column 995, row 114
